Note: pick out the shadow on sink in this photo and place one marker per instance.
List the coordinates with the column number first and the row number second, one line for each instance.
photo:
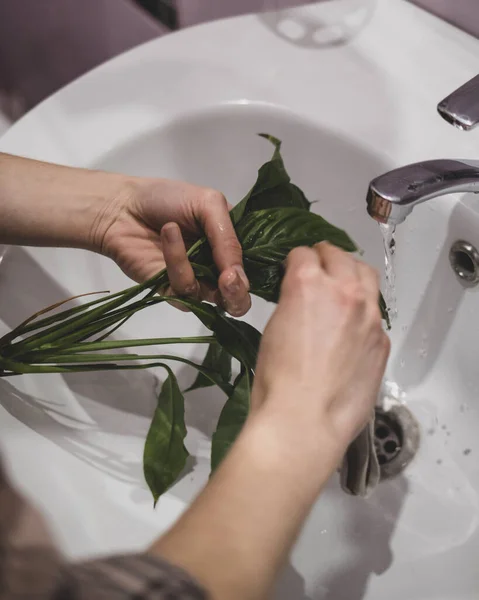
column 82, row 418
column 369, row 529
column 101, row 401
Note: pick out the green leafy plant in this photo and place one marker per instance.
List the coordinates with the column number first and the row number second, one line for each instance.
column 273, row 218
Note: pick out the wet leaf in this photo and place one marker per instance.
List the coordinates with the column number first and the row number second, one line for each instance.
column 218, row 361
column 232, row 419
column 267, row 237
column 271, row 220
column 273, row 187
column 165, row 455
column 238, row 338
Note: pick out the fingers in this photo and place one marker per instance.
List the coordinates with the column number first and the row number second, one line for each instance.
column 305, row 266
column 213, row 215
column 337, row 263
column 235, row 297
column 180, row 272
column 303, row 271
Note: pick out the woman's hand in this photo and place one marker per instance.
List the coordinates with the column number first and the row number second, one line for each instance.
column 152, row 223
column 324, row 351
column 142, row 223
column 320, row 365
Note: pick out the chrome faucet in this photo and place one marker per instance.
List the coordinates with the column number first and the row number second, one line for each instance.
column 392, row 196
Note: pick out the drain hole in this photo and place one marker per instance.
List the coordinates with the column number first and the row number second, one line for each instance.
column 464, row 260
column 382, row 432
column 391, row 446
column 465, row 263
column 396, row 440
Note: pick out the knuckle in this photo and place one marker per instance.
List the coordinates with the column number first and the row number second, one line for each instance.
column 305, row 275
column 213, row 197
column 352, row 295
column 296, row 254
column 190, row 289
column 231, row 243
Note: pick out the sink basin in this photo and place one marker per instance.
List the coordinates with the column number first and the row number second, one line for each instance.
column 159, row 111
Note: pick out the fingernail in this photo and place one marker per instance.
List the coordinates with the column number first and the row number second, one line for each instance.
column 172, row 233
column 242, row 275
column 232, row 285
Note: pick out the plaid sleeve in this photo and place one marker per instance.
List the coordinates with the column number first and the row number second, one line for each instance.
column 138, row 577
column 31, row 567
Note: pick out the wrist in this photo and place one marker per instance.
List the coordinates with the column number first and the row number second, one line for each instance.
column 113, row 194
column 43, row 204
column 303, row 448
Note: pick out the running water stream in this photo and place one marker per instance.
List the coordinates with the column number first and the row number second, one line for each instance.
column 389, row 241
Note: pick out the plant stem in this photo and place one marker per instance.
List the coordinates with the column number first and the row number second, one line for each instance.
column 89, row 346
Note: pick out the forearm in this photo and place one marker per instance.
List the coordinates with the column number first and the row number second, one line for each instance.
column 238, row 533
column 43, row 204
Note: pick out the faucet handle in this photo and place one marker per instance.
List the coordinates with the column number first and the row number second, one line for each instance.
column 461, row 108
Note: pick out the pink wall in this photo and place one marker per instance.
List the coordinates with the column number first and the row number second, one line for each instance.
column 44, row 44
column 463, row 13
column 199, row 11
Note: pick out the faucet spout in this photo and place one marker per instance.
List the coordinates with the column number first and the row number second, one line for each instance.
column 392, row 196
column 461, row 108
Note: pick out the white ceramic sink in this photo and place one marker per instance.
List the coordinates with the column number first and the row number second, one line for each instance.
column 188, row 106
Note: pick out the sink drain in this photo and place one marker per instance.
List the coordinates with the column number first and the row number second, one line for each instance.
column 464, row 259
column 396, row 440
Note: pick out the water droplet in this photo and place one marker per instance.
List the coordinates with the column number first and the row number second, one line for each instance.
column 389, row 241
column 467, row 451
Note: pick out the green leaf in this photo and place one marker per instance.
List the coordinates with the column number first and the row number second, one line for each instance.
column 232, row 419
column 271, row 234
column 218, row 360
column 267, row 237
column 39, row 362
column 273, row 187
column 165, row 455
column 238, row 338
